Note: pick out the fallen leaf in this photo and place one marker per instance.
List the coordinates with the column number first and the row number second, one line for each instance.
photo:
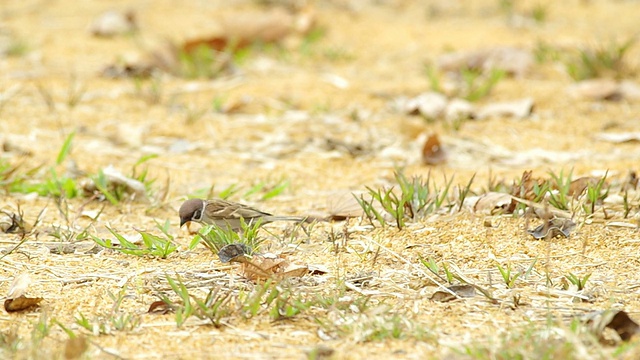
column 159, row 307
column 113, row 23
column 525, row 188
column 233, row 252
column 577, row 186
column 343, row 206
column 493, row 203
column 430, row 105
column 317, row 269
column 518, row 109
column 432, row 152
column 617, row 320
column 19, row 286
column 21, row 303
column 12, row 223
column 262, row 266
column 243, row 29
column 553, row 228
column 459, row 109
column 115, row 178
column 595, row 89
column 462, row 291
column 293, row 270
column 619, row 138
column 512, row 60
column 604, row 89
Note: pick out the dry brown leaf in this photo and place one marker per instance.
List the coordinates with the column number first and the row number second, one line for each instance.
column 493, row 203
column 246, row 28
column 430, row 105
column 619, row 138
column 343, row 206
column 75, row 347
column 432, row 152
column 459, row 109
column 114, row 178
column 553, row 228
column 512, row 60
column 114, row 23
column 518, row 109
column 13, row 223
column 617, row 320
column 19, row 286
column 159, row 307
column 525, row 188
column 604, row 89
column 294, row 270
column 596, row 89
column 233, row 252
column 578, row 185
column 462, row 291
column 262, row 267
column 21, row 303
column 315, row 269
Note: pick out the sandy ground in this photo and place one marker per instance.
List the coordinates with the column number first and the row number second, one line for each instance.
column 293, row 99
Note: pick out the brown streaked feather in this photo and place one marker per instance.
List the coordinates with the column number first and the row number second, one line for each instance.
column 222, row 209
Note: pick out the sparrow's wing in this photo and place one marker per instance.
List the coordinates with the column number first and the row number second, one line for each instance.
column 222, row 209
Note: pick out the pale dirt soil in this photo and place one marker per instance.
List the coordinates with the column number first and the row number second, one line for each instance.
column 384, row 47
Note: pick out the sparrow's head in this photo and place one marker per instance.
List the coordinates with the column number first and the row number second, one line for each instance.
column 191, row 210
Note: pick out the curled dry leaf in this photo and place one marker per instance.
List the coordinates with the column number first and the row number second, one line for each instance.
column 493, row 203
column 430, row 105
column 617, row 320
column 459, row 109
column 12, row 223
column 343, row 206
column 261, row 267
column 266, row 266
column 525, row 187
column 115, row 178
column 604, row 89
column 317, row 269
column 553, row 228
column 512, row 60
column 432, row 152
column 518, row 109
column 578, row 185
column 595, row 89
column 233, row 252
column 19, row 286
column 21, row 303
column 462, row 291
column 246, row 28
column 619, row 138
column 114, row 23
column 159, row 307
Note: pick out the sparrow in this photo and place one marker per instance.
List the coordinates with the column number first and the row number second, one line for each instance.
column 226, row 213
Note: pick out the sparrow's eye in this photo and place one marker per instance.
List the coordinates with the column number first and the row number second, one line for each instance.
column 197, row 214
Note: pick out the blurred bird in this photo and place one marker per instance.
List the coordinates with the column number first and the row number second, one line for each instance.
column 226, row 214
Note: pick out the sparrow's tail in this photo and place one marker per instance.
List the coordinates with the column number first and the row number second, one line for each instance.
column 289, row 218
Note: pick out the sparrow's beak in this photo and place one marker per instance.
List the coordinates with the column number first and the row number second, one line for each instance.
column 183, row 221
